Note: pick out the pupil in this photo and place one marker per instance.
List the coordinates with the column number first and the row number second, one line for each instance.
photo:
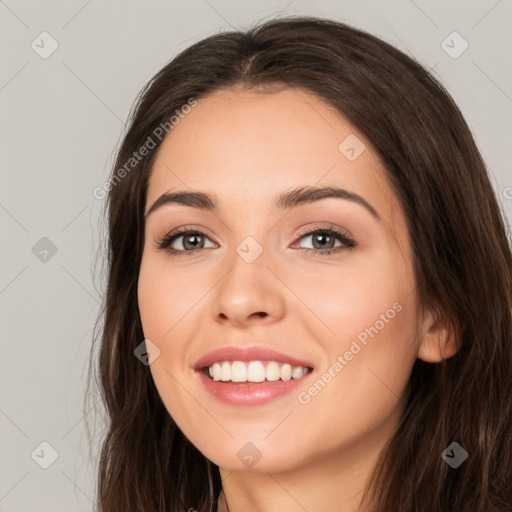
column 318, row 238
column 187, row 241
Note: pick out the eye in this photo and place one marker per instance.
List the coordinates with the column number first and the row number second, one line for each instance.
column 184, row 240
column 323, row 240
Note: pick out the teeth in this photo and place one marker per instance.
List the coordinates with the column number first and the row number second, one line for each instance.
column 238, row 372
column 225, row 372
column 272, row 371
column 286, row 372
column 255, row 371
column 297, row 372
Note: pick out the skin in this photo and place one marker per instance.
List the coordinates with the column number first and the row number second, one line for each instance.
column 245, row 147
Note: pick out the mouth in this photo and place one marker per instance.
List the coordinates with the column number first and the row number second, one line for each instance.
column 256, row 371
column 251, row 376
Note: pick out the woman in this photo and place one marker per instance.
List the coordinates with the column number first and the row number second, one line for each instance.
column 338, row 336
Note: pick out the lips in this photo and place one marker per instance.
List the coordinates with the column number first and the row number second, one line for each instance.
column 256, row 392
column 257, row 353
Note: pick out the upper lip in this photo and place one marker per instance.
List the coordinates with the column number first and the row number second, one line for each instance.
column 253, row 353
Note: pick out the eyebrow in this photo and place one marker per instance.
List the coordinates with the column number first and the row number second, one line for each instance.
column 292, row 199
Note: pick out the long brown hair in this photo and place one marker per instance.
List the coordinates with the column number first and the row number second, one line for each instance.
column 462, row 264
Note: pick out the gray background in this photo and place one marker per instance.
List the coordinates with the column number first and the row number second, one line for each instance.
column 62, row 119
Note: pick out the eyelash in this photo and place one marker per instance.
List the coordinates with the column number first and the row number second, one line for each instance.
column 348, row 243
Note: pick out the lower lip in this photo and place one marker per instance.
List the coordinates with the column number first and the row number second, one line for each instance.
column 250, row 393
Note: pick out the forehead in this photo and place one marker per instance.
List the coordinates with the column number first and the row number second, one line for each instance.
column 247, row 146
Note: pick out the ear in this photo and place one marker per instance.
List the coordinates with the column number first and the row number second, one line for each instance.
column 439, row 339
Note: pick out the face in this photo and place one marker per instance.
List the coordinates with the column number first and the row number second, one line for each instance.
column 326, row 283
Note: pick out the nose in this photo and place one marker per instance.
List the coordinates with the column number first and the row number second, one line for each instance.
column 249, row 294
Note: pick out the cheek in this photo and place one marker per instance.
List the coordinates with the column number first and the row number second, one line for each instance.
column 167, row 300
column 166, row 307
column 367, row 370
column 352, row 296
column 373, row 348
column 369, row 311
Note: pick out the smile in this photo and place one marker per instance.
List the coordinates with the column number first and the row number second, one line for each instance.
column 250, row 376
